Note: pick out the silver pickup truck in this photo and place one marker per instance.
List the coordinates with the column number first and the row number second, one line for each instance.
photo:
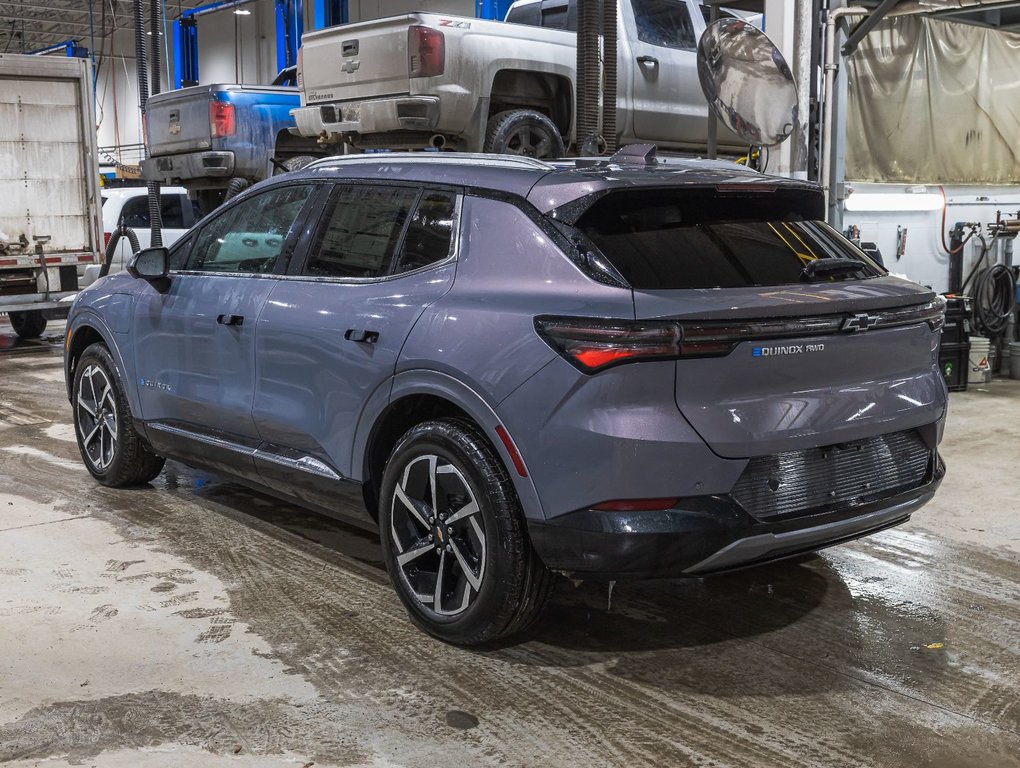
column 431, row 80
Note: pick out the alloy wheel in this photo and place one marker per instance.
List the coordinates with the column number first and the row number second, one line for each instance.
column 438, row 535
column 96, row 417
column 529, row 142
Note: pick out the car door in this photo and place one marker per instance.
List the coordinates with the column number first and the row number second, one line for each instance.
column 331, row 331
column 195, row 340
column 667, row 103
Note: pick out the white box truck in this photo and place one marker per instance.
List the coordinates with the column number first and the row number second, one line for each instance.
column 50, row 226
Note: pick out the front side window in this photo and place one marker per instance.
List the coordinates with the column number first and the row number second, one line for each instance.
column 249, row 237
column 665, row 23
column 704, row 239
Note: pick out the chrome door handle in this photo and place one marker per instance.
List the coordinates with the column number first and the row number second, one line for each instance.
column 361, row 336
column 230, row 319
column 648, row 60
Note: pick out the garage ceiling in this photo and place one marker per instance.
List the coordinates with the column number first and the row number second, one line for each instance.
column 32, row 24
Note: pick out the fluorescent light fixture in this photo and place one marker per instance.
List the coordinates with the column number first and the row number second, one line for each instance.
column 242, row 12
column 893, row 201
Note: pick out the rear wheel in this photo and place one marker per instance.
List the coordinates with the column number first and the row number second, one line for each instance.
column 29, row 324
column 112, row 451
column 454, row 538
column 523, row 132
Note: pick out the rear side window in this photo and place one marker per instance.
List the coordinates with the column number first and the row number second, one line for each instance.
column 705, row 239
column 361, row 233
column 249, row 237
column 665, row 23
column 429, row 236
column 176, row 210
column 374, row 231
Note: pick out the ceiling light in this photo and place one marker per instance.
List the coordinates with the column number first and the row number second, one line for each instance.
column 242, row 12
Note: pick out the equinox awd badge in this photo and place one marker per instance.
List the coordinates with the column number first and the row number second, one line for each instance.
column 788, row 349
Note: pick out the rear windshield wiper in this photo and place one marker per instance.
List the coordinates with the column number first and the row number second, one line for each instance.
column 820, row 267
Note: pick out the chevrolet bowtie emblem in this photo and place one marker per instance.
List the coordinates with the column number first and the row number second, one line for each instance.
column 861, row 322
column 350, row 66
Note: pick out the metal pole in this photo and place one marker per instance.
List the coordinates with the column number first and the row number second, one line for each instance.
column 713, row 121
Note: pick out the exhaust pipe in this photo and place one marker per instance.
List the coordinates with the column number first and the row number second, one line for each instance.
column 438, row 141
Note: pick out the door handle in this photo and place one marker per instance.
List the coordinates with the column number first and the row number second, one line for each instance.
column 230, row 319
column 361, row 336
column 648, row 60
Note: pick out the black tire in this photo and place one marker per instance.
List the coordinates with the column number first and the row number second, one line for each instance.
column 298, row 162
column 508, row 585
column 113, row 452
column 523, row 132
column 29, row 324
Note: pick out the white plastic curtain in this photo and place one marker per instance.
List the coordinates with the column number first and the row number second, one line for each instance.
column 934, row 102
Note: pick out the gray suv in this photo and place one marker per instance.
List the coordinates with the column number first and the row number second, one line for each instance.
column 614, row 369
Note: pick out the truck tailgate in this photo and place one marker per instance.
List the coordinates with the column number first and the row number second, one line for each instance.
column 356, row 61
column 178, row 121
column 42, row 164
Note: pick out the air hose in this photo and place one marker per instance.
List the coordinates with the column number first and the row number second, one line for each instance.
column 236, row 186
column 155, row 213
column 994, row 294
column 111, row 247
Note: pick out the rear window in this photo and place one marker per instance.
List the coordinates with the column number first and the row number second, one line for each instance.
column 709, row 239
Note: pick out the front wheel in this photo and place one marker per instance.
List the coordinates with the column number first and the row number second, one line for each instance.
column 523, row 132
column 454, row 538
column 28, row 324
column 112, row 451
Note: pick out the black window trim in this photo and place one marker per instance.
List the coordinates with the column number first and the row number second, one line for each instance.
column 289, row 247
column 298, row 261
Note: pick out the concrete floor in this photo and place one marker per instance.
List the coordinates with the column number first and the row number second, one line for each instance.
column 197, row 624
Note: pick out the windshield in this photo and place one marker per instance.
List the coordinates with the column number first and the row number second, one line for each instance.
column 704, row 238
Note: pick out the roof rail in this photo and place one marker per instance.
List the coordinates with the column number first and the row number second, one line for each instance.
column 444, row 158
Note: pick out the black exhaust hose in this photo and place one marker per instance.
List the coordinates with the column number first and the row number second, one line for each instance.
column 236, row 186
column 609, row 14
column 111, row 247
column 155, row 201
column 586, row 113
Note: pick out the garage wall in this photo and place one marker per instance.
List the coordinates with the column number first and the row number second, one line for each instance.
column 117, row 113
column 363, row 10
column 238, row 49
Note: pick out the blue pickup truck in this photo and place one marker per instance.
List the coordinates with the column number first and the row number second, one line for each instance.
column 209, row 138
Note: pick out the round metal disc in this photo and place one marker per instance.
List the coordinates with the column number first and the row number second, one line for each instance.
column 747, row 82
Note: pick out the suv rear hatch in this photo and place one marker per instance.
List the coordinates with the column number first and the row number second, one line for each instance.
column 366, row 60
column 791, row 338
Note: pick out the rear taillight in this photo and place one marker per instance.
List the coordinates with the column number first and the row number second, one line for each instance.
column 426, row 51
column 222, row 121
column 106, row 239
column 592, row 344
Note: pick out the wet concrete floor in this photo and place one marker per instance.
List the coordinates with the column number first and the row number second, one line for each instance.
column 195, row 623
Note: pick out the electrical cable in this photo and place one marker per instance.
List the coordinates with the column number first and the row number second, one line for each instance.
column 942, row 229
column 994, row 294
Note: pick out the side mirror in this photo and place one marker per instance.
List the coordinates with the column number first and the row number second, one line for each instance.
column 151, row 264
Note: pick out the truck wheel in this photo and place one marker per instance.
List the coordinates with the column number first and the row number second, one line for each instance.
column 29, row 324
column 295, row 163
column 523, row 132
column 113, row 452
column 454, row 537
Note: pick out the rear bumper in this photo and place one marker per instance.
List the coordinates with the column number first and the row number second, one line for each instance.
column 192, row 165
column 705, row 535
column 400, row 113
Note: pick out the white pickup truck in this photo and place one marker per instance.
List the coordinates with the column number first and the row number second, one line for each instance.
column 431, row 80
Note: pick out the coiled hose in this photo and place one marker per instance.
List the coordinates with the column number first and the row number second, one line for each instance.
column 994, row 294
column 155, row 203
column 588, row 16
column 111, row 247
column 609, row 13
column 236, row 186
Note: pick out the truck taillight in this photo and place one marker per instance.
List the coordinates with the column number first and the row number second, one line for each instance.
column 426, row 51
column 106, row 239
column 145, row 129
column 221, row 119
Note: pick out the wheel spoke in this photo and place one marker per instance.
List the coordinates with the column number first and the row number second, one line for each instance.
column 91, row 372
column 91, row 411
column 433, row 466
column 88, row 439
column 469, row 574
column 466, row 511
column 543, row 148
column 413, row 554
column 524, row 137
column 411, row 507
column 111, row 426
column 437, row 605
